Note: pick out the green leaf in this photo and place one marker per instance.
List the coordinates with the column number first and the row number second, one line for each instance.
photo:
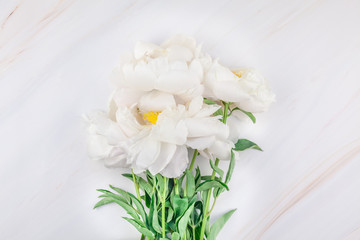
column 175, row 236
column 208, row 184
column 218, row 112
column 204, row 195
column 138, row 206
column 140, row 227
column 110, row 194
column 243, row 144
column 179, row 205
column 145, row 186
column 196, row 214
column 218, row 224
column 216, row 169
column 147, row 199
column 231, row 168
column 208, row 177
column 190, row 183
column 184, row 220
column 217, row 192
column 104, row 201
column 149, row 177
column 160, row 183
column 249, row 114
column 128, row 176
column 153, row 218
column 128, row 208
column 122, row 192
column 209, row 102
column 170, row 214
column 207, row 229
column 155, row 221
column 197, row 177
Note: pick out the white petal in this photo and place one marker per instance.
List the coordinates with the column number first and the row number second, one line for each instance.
column 117, row 159
column 195, row 105
column 179, row 53
column 169, row 130
column 181, row 40
column 140, row 77
column 126, row 96
column 158, row 66
column 143, row 49
column 167, row 151
column 117, row 76
column 127, row 121
column 221, row 150
column 177, row 81
column 201, row 127
column 102, row 125
column 149, row 150
column 156, row 101
column 98, row 146
column 200, row 143
column 229, row 91
column 197, row 68
column 207, row 110
column 177, row 164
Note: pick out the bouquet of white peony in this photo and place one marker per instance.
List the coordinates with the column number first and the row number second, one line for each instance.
column 170, row 105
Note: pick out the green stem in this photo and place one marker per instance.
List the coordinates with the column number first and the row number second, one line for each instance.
column 193, row 160
column 226, row 109
column 176, row 186
column 163, row 208
column 193, row 230
column 191, row 168
column 207, row 203
column 136, row 185
column 213, row 205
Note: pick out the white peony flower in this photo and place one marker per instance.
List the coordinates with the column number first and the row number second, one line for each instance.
column 246, row 88
column 173, row 67
column 155, row 137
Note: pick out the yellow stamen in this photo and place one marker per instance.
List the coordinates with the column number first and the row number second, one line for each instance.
column 239, row 74
column 151, row 117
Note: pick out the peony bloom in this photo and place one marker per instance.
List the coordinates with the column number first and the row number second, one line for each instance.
column 173, row 68
column 157, row 112
column 246, row 88
column 157, row 139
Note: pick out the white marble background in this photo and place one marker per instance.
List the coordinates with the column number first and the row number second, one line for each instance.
column 55, row 59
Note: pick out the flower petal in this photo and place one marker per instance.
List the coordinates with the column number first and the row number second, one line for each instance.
column 126, row 119
column 139, row 76
column 156, row 101
column 201, row 127
column 167, row 151
column 148, row 151
column 200, row 143
column 178, row 163
column 221, row 150
column 126, row 96
column 97, row 146
column 145, row 49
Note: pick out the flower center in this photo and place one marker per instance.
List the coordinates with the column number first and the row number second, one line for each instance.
column 237, row 74
column 151, row 117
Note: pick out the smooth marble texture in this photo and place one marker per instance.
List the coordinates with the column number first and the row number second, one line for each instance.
column 55, row 59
